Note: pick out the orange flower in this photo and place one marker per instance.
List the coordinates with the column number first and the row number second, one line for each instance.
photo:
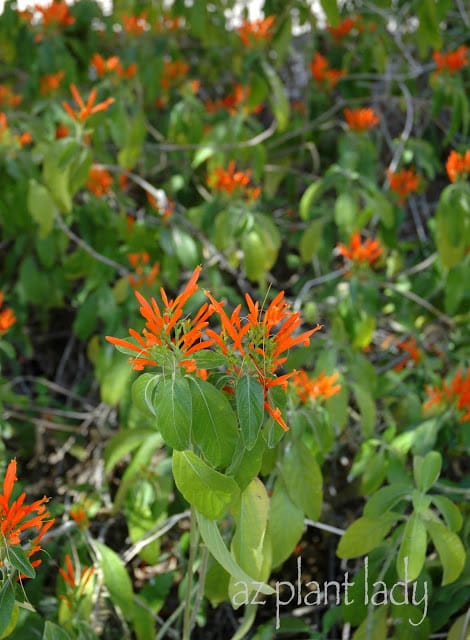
column 233, row 102
column 456, row 393
column 135, row 25
column 7, row 318
column 165, row 208
column 76, row 583
column 112, row 65
column 261, row 340
column 403, row 182
column 321, row 387
column 322, row 73
column 452, row 61
column 8, row 98
column 251, row 33
column 87, row 109
column 140, row 261
column 458, row 165
column 61, row 131
column 25, row 138
column 99, row 180
column 17, row 518
column 369, row 252
column 230, row 180
column 173, row 70
column 79, row 516
column 167, row 23
column 56, row 14
column 411, row 348
column 344, row 27
column 361, row 119
column 50, row 82
column 166, row 331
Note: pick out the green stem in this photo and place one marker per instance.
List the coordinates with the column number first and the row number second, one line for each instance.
column 193, row 543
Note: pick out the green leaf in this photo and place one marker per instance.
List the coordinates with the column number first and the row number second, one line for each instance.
column 144, row 392
column 56, row 178
column 457, row 630
column 123, row 443
column 330, row 7
column 7, row 603
column 173, row 407
column 116, row 579
column 345, row 212
column 412, row 551
column 18, row 558
column 286, row 525
column 278, row 98
column 427, row 470
column 249, row 399
column 214, row 423
column 41, row 206
column 253, row 255
column 52, row 631
column 450, row 549
column 211, row 535
column 365, row 534
column 308, row 199
column 208, row 490
column 367, row 408
column 450, row 512
column 303, row 479
column 311, row 240
column 135, row 136
column 206, row 359
column 374, row 627
column 385, row 499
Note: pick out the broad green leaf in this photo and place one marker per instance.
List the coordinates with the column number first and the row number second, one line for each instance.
column 214, row 424
column 409, row 622
column 303, row 479
column 123, row 443
column 206, row 359
column 278, row 98
column 412, row 551
column 345, row 212
column 56, row 178
column 286, row 525
column 173, row 407
column 427, row 470
column 367, row 408
column 308, row 199
column 186, row 249
column 116, row 579
column 18, row 558
column 450, row 549
column 52, row 631
column 253, row 255
column 41, row 206
column 208, row 490
column 211, row 535
column 457, row 630
column 144, row 392
column 249, row 399
column 330, row 7
column 365, row 534
column 246, row 464
column 385, row 499
column 450, row 512
column 374, row 627
column 6, row 633
column 135, row 136
column 311, row 239
column 7, row 603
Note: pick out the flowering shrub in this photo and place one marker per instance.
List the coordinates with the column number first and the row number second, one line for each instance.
column 234, row 320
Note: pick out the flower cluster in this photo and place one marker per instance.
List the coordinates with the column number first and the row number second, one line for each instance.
column 6, row 136
column 50, row 82
column 458, row 165
column 142, row 275
column 323, row 73
column 343, row 29
column 103, row 66
column 368, row 252
column 452, row 61
column 52, row 17
column 88, row 109
column 173, row 70
column 99, row 180
column 76, row 582
column 252, row 33
column 403, row 183
column 361, row 119
column 7, row 317
column 320, row 388
column 8, row 98
column 233, row 102
column 17, row 518
column 135, row 25
column 410, row 347
column 230, row 180
column 456, row 393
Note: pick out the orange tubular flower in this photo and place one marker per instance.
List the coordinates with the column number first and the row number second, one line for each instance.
column 50, row 82
column 403, row 183
column 103, row 66
column 261, row 340
column 7, row 318
column 86, row 110
column 251, row 33
column 99, row 180
column 369, row 252
column 343, row 29
column 78, row 586
column 56, row 14
column 452, row 61
column 17, row 518
column 8, row 98
column 230, row 180
column 166, row 331
column 322, row 73
column 135, row 25
column 61, row 131
column 458, row 165
column 142, row 276
column 361, row 119
column 322, row 387
column 411, row 348
column 456, row 393
column 173, row 70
